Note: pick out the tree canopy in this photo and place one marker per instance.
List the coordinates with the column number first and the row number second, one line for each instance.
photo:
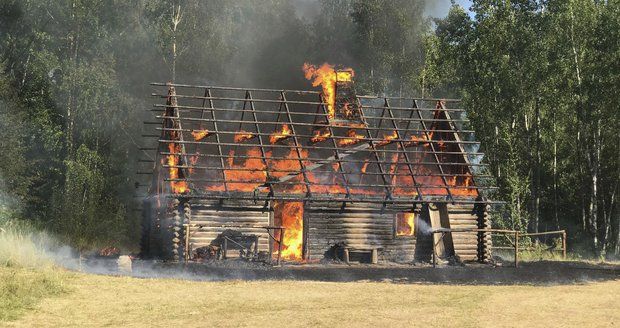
column 539, row 79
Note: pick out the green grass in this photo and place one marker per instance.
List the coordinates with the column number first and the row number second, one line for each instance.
column 27, row 272
column 106, row 301
column 22, row 289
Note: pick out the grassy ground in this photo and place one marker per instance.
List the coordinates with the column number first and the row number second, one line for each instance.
column 22, row 289
column 123, row 301
column 35, row 294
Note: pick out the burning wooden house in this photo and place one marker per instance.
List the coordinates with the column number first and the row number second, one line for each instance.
column 306, row 171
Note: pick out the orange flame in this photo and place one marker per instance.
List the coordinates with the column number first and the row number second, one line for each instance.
column 193, row 160
column 405, row 223
column 353, row 138
column 326, row 77
column 284, row 133
column 388, row 139
column 200, row 134
column 243, row 136
column 290, row 216
column 320, row 135
column 365, row 166
column 178, row 187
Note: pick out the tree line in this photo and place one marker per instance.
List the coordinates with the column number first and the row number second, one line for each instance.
column 540, row 82
column 538, row 78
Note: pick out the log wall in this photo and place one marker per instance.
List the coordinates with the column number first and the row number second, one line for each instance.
column 466, row 243
column 209, row 219
column 358, row 226
column 362, row 226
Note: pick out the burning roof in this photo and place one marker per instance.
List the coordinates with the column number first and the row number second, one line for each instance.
column 261, row 144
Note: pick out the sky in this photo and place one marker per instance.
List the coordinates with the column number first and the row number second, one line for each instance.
column 435, row 8
column 439, row 8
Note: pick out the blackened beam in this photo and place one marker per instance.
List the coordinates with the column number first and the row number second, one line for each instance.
column 372, row 185
column 321, row 159
column 378, row 200
column 298, row 146
column 378, row 142
column 449, row 100
column 270, row 101
column 382, row 129
column 233, row 88
column 319, row 171
column 313, row 125
column 157, row 107
column 458, row 138
column 160, row 107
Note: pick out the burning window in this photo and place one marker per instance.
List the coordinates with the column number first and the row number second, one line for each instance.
column 404, row 225
column 290, row 216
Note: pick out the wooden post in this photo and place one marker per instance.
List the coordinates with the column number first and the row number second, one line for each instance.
column 434, row 254
column 374, row 256
column 345, row 255
column 516, row 249
column 187, row 251
column 256, row 247
column 280, row 245
column 564, row 244
column 225, row 248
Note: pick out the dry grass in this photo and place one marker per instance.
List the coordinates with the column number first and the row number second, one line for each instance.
column 129, row 302
column 23, row 247
column 22, row 289
column 26, row 269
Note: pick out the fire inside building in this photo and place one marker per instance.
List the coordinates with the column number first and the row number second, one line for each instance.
column 301, row 176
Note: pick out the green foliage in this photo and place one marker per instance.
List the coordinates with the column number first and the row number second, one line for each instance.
column 536, row 77
column 389, row 44
column 90, row 215
column 539, row 80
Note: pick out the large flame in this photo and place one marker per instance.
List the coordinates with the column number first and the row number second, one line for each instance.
column 290, row 216
column 326, row 76
column 405, row 224
column 178, row 187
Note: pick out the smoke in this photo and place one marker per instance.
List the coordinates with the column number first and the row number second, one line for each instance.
column 424, row 227
column 440, row 8
column 307, row 9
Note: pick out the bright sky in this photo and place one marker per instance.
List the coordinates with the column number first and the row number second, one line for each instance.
column 439, row 8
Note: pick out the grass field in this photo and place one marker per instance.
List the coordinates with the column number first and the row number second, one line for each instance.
column 92, row 300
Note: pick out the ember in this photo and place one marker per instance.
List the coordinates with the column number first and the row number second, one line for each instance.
column 200, row 134
column 388, row 139
column 320, row 135
column 244, row 136
column 284, row 133
column 352, row 138
column 109, row 252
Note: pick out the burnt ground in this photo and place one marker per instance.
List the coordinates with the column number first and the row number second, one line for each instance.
column 529, row 273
